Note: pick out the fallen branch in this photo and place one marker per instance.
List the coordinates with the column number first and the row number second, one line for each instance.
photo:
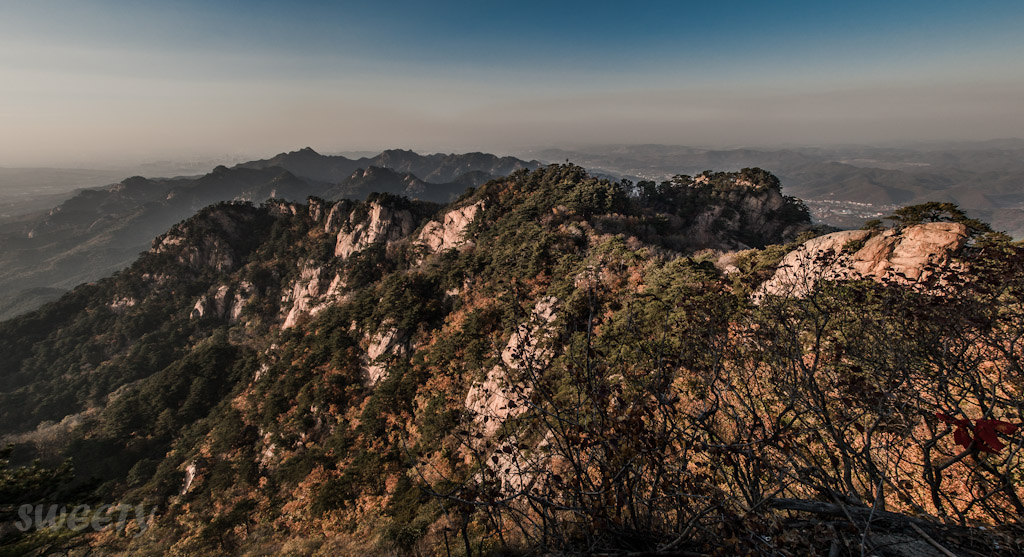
column 931, row 541
column 864, row 514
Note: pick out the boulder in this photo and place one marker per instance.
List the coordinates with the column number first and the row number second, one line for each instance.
column 908, row 255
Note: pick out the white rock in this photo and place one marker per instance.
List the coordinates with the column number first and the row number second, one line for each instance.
column 903, row 255
column 382, row 225
column 310, row 294
column 121, row 305
column 448, row 234
column 489, row 401
column 388, row 342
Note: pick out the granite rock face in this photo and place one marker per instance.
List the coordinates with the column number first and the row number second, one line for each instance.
column 310, row 294
column 226, row 303
column 448, row 234
column 909, row 255
column 387, row 342
column 383, row 224
column 489, row 401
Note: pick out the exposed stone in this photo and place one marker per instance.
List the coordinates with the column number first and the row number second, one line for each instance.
column 226, row 302
column 261, row 372
column 388, row 342
column 814, row 260
column 489, row 401
column 191, row 471
column 910, row 253
column 316, row 208
column 220, row 300
column 382, row 224
column 210, row 251
column 743, row 217
column 449, row 233
column 121, row 305
column 907, row 255
column 281, row 207
column 242, row 295
column 305, row 292
column 310, row 294
column 199, row 310
column 495, row 401
column 269, row 452
column 336, row 217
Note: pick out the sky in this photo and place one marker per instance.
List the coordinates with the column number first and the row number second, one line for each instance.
column 86, row 82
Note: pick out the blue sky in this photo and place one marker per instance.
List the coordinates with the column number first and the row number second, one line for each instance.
column 83, row 80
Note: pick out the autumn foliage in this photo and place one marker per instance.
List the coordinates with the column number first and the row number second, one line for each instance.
column 982, row 435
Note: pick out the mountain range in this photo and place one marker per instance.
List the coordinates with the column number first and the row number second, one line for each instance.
column 99, row 231
column 551, row 363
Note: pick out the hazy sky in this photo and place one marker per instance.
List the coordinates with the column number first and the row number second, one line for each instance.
column 85, row 80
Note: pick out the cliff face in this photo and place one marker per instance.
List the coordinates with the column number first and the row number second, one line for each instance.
column 912, row 255
column 744, row 214
column 381, row 225
column 322, row 375
column 490, row 401
column 727, row 210
column 225, row 303
column 449, row 232
column 309, row 294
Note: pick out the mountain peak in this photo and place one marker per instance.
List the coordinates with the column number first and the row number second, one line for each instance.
column 399, row 152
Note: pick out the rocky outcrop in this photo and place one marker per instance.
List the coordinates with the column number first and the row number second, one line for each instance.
column 494, row 401
column 310, row 294
column 744, row 217
column 388, row 342
column 191, row 471
column 337, row 217
column 122, row 304
column 449, row 233
column 317, row 208
column 909, row 255
column 225, row 303
column 381, row 225
column 280, row 207
column 205, row 241
column 210, row 253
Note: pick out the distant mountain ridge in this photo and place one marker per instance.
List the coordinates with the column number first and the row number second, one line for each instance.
column 435, row 168
column 101, row 230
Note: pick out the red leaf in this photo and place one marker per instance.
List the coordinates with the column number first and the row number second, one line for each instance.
column 985, row 432
column 961, row 437
column 988, row 440
column 949, row 420
column 1006, row 428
